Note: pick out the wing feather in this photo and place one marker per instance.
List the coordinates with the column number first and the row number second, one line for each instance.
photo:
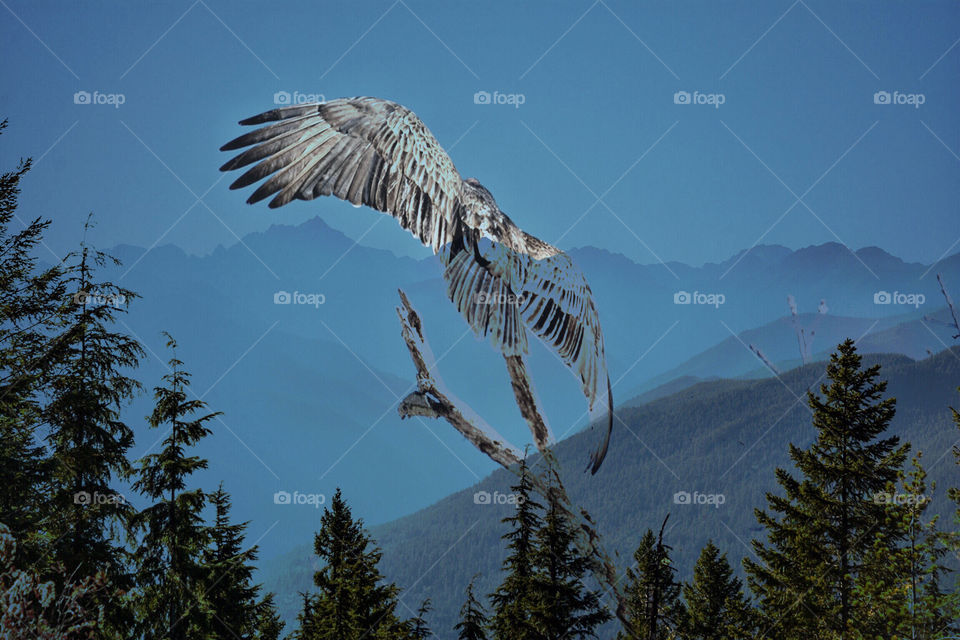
column 364, row 150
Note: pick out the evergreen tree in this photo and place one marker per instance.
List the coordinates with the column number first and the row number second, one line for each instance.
column 44, row 610
column 269, row 625
column 171, row 571
column 419, row 629
column 513, row 601
column 899, row 593
column 86, row 389
column 565, row 608
column 31, row 304
column 229, row 589
column 715, row 605
column 654, row 610
column 353, row 601
column 473, row 619
column 823, row 529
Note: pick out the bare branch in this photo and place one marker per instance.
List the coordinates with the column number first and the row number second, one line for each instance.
column 430, row 401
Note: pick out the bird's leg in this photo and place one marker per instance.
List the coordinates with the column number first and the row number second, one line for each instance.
column 483, row 262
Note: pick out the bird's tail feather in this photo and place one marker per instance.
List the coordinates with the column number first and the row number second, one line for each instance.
column 596, row 458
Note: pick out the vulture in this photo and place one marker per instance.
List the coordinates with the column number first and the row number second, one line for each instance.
column 504, row 281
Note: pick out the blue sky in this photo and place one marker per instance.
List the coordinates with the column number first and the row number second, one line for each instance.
column 599, row 153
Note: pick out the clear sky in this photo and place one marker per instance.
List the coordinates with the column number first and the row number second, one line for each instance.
column 599, row 152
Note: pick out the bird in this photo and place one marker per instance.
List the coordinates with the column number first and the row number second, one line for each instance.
column 504, row 281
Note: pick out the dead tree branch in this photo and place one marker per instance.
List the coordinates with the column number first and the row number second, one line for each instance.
column 430, row 401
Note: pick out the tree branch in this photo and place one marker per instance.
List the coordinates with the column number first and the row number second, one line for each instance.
column 429, row 401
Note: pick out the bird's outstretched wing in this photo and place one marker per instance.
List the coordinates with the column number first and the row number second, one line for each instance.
column 557, row 305
column 377, row 153
column 365, row 150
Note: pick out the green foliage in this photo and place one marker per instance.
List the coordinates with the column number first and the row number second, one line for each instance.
column 654, row 610
column 828, row 527
column 269, row 626
column 716, row 608
column 228, row 586
column 899, row 592
column 419, row 629
column 31, row 303
column 514, row 599
column 473, row 619
column 171, row 573
column 45, row 610
column 563, row 605
column 353, row 601
column 86, row 387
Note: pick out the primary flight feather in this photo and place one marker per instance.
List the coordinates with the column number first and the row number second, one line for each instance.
column 503, row 280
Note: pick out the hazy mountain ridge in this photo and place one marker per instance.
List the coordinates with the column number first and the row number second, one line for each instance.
column 715, row 437
column 310, row 392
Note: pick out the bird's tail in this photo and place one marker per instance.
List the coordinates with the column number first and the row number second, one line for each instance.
column 596, row 458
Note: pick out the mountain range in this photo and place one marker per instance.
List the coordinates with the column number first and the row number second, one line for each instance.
column 309, row 388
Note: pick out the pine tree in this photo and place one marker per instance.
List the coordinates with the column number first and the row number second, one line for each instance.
column 31, row 607
column 900, row 592
column 513, row 601
column 565, row 607
column 86, row 389
column 822, row 530
column 715, row 605
column 269, row 625
column 229, row 589
column 170, row 572
column 419, row 629
column 473, row 619
column 354, row 601
column 654, row 610
column 31, row 304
